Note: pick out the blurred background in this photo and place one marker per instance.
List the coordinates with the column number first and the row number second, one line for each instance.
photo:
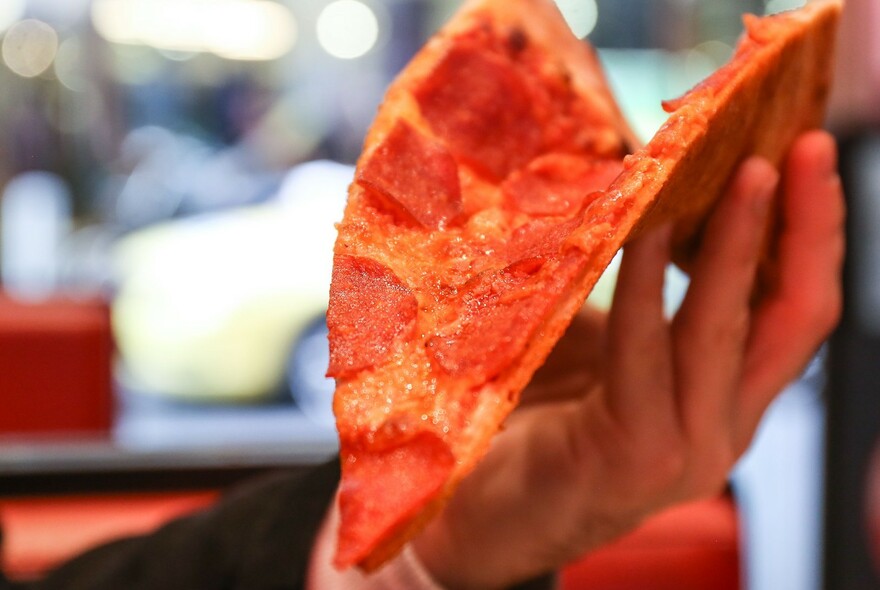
column 170, row 172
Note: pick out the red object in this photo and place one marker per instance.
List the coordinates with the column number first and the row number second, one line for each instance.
column 55, row 367
column 417, row 174
column 421, row 466
column 359, row 284
column 482, row 108
column 40, row 533
column 691, row 547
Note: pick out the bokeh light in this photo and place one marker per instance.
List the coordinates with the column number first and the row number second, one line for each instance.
column 256, row 30
column 581, row 15
column 29, row 47
column 69, row 64
column 347, row 29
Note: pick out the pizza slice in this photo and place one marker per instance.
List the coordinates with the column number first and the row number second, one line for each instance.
column 493, row 190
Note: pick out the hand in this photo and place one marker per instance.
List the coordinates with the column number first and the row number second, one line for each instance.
column 679, row 400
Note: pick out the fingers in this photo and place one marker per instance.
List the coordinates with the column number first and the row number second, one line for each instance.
column 640, row 366
column 711, row 327
column 804, row 307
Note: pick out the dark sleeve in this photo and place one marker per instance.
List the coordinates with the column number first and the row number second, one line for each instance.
column 259, row 537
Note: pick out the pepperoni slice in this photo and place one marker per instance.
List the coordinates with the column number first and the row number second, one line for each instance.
column 369, row 309
column 384, row 488
column 481, row 106
column 500, row 310
column 417, row 174
column 558, row 183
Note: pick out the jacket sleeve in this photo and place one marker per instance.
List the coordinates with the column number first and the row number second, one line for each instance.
column 259, row 537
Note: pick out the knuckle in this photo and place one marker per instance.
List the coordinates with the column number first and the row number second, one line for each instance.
column 821, row 311
column 831, row 312
column 833, row 307
column 673, row 466
column 713, row 469
column 735, row 330
column 727, row 331
column 667, row 464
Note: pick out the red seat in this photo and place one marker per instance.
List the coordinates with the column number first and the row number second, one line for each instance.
column 691, row 547
column 55, row 366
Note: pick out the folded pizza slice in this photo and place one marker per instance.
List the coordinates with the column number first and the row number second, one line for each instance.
column 493, row 190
